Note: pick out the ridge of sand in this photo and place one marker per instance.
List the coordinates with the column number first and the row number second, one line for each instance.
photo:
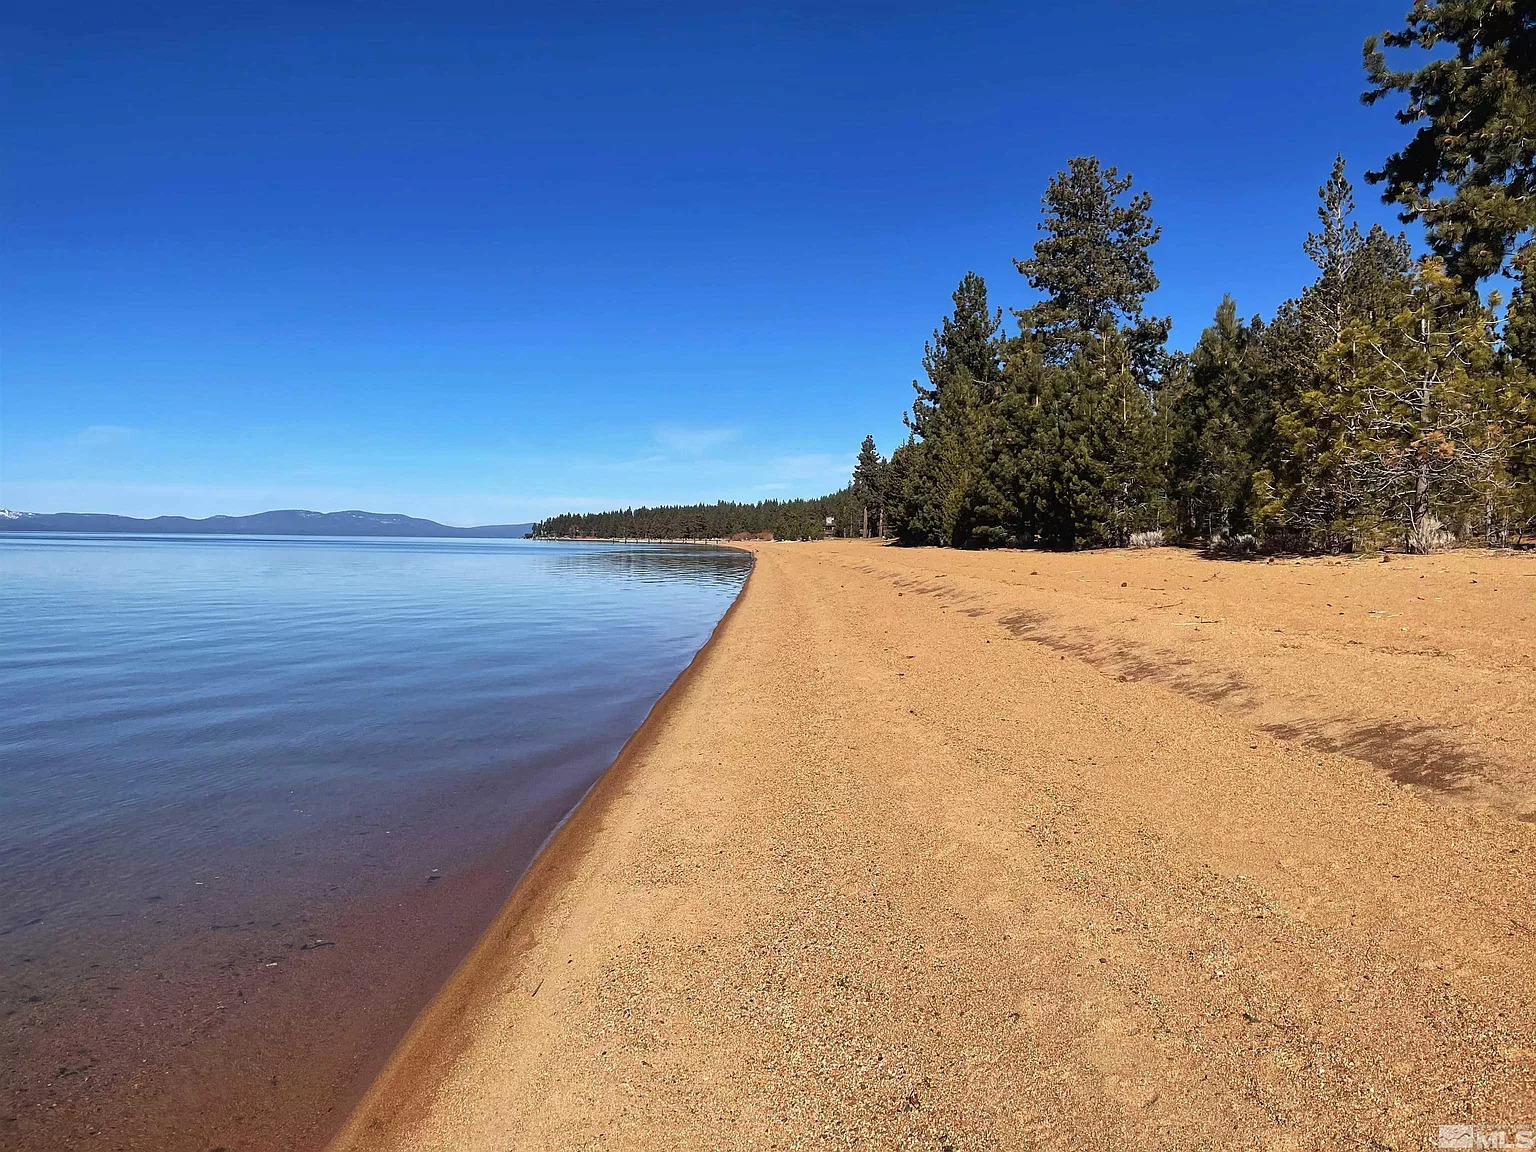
column 964, row 851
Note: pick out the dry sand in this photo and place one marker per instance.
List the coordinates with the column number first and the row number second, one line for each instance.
column 1005, row 850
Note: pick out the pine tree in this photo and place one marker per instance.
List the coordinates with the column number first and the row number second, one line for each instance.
column 1334, row 248
column 1517, row 389
column 944, row 468
column 1426, row 445
column 898, row 484
column 1093, row 265
column 869, row 486
column 948, row 420
column 964, row 345
column 1089, row 459
column 1469, row 173
column 1307, row 488
column 1519, row 341
column 1213, row 418
column 1005, row 497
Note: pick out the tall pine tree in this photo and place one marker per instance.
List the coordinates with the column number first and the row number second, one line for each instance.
column 1214, row 412
column 1089, row 467
column 1308, row 490
column 948, row 421
column 869, row 487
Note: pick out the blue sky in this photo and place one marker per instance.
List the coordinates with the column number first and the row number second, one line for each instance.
column 484, row 263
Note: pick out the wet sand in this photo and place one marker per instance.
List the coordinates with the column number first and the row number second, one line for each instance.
column 1107, row 850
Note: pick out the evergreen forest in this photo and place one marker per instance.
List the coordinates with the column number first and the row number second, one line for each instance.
column 1391, row 402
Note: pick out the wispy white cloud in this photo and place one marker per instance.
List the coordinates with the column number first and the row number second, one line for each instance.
column 810, row 466
column 642, row 461
column 687, row 440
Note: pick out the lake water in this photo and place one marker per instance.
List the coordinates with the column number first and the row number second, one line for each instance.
column 258, row 796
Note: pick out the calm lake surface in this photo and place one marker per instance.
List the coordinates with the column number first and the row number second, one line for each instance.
column 259, row 795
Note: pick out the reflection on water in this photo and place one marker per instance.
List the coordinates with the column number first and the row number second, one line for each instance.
column 214, row 750
column 656, row 562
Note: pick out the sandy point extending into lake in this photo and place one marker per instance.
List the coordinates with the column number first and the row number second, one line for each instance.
column 1008, row 850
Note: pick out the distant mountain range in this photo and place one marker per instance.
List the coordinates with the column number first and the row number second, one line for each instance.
column 288, row 522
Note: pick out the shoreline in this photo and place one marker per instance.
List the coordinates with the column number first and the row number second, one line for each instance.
column 939, row 848
column 705, row 542
column 399, row 1092
column 237, row 968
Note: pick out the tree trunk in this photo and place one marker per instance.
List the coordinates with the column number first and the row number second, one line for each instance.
column 1423, row 527
column 1422, row 537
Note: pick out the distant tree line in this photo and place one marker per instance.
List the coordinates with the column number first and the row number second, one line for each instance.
column 1390, row 402
column 786, row 519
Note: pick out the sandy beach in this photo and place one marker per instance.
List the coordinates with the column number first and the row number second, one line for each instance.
column 938, row 850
